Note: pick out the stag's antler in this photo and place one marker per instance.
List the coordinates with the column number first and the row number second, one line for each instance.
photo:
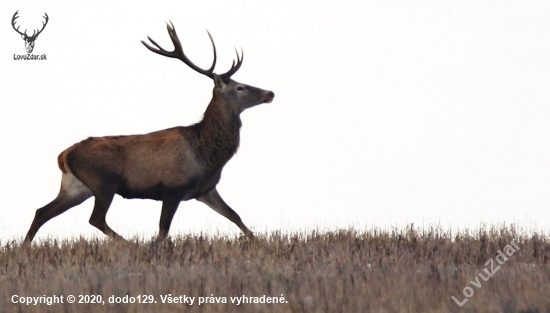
column 235, row 66
column 13, row 23
column 178, row 51
column 179, row 54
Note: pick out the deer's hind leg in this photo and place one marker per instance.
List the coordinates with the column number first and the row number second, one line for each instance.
column 73, row 192
column 104, row 194
column 169, row 208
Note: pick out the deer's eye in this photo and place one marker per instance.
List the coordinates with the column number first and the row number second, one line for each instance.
column 240, row 88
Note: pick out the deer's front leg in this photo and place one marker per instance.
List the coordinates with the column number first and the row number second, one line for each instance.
column 215, row 202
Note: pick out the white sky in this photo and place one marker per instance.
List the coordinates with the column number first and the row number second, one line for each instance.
column 386, row 112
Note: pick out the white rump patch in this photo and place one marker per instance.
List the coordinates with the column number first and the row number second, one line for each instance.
column 74, row 187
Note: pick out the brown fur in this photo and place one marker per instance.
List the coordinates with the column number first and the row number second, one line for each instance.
column 62, row 161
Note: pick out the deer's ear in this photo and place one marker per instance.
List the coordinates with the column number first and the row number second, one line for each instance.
column 218, row 82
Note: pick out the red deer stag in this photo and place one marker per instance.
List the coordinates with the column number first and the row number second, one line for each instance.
column 170, row 165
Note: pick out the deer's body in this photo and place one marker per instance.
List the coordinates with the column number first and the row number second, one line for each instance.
column 182, row 162
column 170, row 165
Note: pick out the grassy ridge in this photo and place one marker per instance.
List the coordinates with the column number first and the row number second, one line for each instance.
column 344, row 271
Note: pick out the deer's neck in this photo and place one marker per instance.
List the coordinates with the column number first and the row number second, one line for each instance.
column 217, row 135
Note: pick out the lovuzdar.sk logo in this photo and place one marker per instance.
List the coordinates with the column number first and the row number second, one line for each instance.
column 29, row 40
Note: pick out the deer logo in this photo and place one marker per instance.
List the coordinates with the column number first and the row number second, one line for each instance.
column 171, row 165
column 29, row 40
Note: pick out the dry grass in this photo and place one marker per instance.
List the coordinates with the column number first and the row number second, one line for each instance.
column 345, row 271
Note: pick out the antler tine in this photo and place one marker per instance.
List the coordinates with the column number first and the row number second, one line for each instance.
column 45, row 23
column 13, row 22
column 235, row 66
column 211, row 69
column 43, row 26
column 159, row 49
column 178, row 51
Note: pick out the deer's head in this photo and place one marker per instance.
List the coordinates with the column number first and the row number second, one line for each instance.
column 29, row 40
column 235, row 96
